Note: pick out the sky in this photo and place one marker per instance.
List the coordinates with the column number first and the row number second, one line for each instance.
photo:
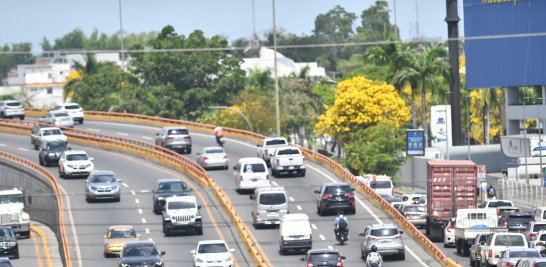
column 32, row 20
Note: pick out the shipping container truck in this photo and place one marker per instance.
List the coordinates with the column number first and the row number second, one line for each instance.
column 451, row 185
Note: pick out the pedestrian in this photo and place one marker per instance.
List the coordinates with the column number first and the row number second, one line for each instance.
column 491, row 192
column 483, row 191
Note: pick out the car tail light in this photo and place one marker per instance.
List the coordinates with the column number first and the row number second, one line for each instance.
column 267, row 177
column 352, row 203
column 538, row 244
column 282, row 238
column 490, row 254
column 479, row 251
column 309, row 264
column 505, row 224
column 169, row 138
column 370, row 238
column 240, row 178
column 448, row 227
column 310, row 236
column 532, row 234
column 205, row 158
column 339, row 264
column 303, row 159
column 350, row 195
column 498, row 211
column 266, row 151
column 509, row 264
column 187, row 137
column 398, row 237
column 278, row 161
column 520, row 211
column 325, row 196
column 225, row 156
column 392, row 193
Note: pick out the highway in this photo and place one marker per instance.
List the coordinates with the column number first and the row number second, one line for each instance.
column 139, row 176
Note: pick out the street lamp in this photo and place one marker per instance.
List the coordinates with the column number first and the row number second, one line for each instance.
column 232, row 109
column 121, row 34
column 525, row 139
column 447, row 125
column 278, row 117
column 384, row 10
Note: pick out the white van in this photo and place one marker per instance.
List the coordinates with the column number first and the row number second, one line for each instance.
column 295, row 232
column 540, row 214
column 270, row 204
column 381, row 184
column 250, row 173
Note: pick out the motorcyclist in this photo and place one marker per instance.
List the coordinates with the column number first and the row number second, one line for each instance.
column 219, row 133
column 374, row 258
column 338, row 224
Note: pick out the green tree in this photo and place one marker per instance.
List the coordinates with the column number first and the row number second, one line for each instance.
column 20, row 55
column 375, row 25
column 72, row 40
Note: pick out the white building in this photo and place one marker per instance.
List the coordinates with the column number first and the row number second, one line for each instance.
column 285, row 66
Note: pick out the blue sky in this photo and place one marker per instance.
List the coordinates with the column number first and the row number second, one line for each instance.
column 31, row 20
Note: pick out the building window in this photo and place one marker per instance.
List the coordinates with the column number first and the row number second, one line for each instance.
column 49, row 75
column 50, row 90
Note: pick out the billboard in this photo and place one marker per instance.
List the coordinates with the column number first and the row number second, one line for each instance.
column 415, row 142
column 440, row 125
column 504, row 43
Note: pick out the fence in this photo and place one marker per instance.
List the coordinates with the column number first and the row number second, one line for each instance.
column 523, row 194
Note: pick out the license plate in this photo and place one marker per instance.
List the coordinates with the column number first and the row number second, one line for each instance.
column 291, row 167
column 339, row 199
column 254, row 180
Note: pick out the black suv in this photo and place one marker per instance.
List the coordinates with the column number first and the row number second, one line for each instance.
column 167, row 188
column 515, row 222
column 50, row 152
column 8, row 243
column 323, row 257
column 335, row 197
column 140, row 253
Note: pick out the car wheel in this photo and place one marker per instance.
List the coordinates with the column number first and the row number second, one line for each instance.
column 321, row 212
column 189, row 151
column 106, row 255
column 118, row 199
column 22, row 118
column 402, row 256
column 81, row 121
column 199, row 231
column 353, row 211
column 363, row 254
column 226, row 167
column 166, row 231
column 61, row 174
column 2, row 115
column 87, row 199
column 41, row 162
column 283, row 251
column 302, row 173
column 273, row 173
column 472, row 263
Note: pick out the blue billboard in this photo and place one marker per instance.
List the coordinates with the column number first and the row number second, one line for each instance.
column 505, row 43
column 415, row 142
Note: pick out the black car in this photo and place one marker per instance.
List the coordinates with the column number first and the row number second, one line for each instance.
column 50, row 152
column 515, row 222
column 140, row 253
column 335, row 197
column 5, row 262
column 167, row 188
column 323, row 257
column 8, row 243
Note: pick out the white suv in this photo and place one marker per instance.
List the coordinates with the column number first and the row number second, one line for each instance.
column 11, row 109
column 75, row 163
column 498, row 243
column 182, row 214
column 212, row 253
column 73, row 109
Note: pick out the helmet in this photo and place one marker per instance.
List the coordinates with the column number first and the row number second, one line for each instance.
column 218, row 125
column 374, row 248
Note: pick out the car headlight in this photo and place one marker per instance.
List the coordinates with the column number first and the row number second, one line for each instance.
column 160, row 198
column 199, row 260
column 125, row 265
column 93, row 188
column 114, row 187
column 71, row 166
column 51, row 154
column 159, row 263
column 85, row 166
column 13, row 243
column 228, row 259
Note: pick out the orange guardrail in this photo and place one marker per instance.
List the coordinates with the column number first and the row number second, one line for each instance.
column 53, row 181
column 327, row 162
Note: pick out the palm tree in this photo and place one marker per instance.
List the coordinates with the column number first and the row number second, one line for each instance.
column 419, row 68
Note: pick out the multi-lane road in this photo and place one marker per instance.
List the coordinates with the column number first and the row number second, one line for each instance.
column 90, row 220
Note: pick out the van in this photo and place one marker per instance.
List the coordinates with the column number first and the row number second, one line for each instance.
column 270, row 204
column 381, row 184
column 540, row 214
column 250, row 173
column 295, row 232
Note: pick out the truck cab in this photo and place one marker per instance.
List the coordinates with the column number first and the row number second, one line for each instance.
column 12, row 211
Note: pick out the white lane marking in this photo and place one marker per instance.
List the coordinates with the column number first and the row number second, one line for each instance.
column 133, row 192
column 322, row 237
column 71, row 219
column 3, row 145
column 139, row 211
column 298, row 206
column 291, row 199
column 125, row 185
column 143, row 220
column 147, row 230
column 23, row 149
column 146, row 137
column 137, row 200
column 122, row 134
column 145, row 191
column 330, row 247
column 274, row 183
column 150, row 239
column 314, row 226
column 93, row 130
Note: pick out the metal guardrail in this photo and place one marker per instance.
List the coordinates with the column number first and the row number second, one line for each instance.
column 327, row 162
column 521, row 193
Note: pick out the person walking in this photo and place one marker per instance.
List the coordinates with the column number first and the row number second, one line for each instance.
column 483, row 192
column 491, row 192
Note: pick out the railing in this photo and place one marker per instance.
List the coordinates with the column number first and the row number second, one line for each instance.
column 523, row 194
column 327, row 162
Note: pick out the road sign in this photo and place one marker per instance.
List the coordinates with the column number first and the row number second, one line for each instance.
column 481, row 171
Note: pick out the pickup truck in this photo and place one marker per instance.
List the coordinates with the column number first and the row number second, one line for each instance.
column 498, row 243
column 471, row 222
column 287, row 159
column 267, row 147
column 40, row 135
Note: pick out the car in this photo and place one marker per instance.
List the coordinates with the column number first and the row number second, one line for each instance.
column 497, row 243
column 10, row 246
column 168, row 187
column 57, row 118
column 515, row 222
column 174, row 138
column 295, row 233
column 51, row 151
column 532, row 262
column 386, row 237
column 116, row 237
column 250, row 173
column 382, row 186
column 540, row 214
column 182, row 214
column 415, row 214
column 11, row 109
column 270, row 204
column 504, row 210
column 5, row 262
column 209, row 253
column 512, row 255
column 538, row 242
column 449, row 233
column 73, row 109
column 213, row 157
column 335, row 197
column 409, row 199
column 140, row 253
column 533, row 228
column 476, row 249
column 323, row 257
column 102, row 185
column 75, row 163
column 495, row 203
column 392, row 200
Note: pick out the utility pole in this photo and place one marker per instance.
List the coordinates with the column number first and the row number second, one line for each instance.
column 452, row 20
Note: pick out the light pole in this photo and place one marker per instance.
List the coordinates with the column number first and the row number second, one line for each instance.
column 395, row 27
column 539, row 130
column 447, row 125
column 278, row 117
column 384, row 10
column 121, row 33
column 468, row 126
column 525, row 147
column 232, row 109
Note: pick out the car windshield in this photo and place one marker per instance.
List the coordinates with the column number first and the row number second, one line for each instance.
column 524, row 254
column 212, row 248
column 175, row 205
column 173, row 187
column 61, row 114
column 323, row 257
column 275, row 142
column 336, row 190
column 380, row 184
column 5, row 199
column 539, row 264
column 122, row 233
column 507, row 211
column 519, row 219
column 393, row 199
column 509, row 240
column 272, row 199
column 384, row 232
column 256, row 167
column 494, row 204
column 5, row 264
column 72, row 107
column 6, row 233
column 52, row 132
column 103, row 178
column 539, row 227
column 542, row 238
column 214, row 151
column 414, row 209
column 56, row 146
column 140, row 251
column 289, row 152
column 76, row 157
column 177, row 132
column 13, row 104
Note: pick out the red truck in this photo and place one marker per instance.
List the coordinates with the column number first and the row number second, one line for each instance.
column 451, row 185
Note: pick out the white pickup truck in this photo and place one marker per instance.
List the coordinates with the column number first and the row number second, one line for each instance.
column 471, row 222
column 498, row 243
column 288, row 159
column 40, row 135
column 267, row 147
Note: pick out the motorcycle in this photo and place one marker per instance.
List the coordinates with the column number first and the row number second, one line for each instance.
column 374, row 261
column 341, row 236
column 220, row 141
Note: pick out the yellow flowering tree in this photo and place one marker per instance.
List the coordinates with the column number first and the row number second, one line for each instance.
column 73, row 81
column 359, row 104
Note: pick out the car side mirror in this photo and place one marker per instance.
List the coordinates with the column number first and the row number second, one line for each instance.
column 157, row 134
column 302, row 259
column 231, row 250
column 162, row 253
column 86, row 181
column 104, row 237
column 361, row 234
column 198, row 154
column 198, row 207
column 192, row 251
column 234, row 168
column 91, row 159
column 343, row 257
column 401, row 232
column 190, row 189
column 317, row 192
column 258, row 145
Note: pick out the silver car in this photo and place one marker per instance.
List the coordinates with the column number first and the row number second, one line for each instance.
column 213, row 157
column 511, row 256
column 386, row 237
column 102, row 185
column 11, row 109
column 57, row 118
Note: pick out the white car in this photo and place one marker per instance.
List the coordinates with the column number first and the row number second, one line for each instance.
column 57, row 118
column 409, row 199
column 73, row 109
column 212, row 253
column 449, row 234
column 75, row 163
